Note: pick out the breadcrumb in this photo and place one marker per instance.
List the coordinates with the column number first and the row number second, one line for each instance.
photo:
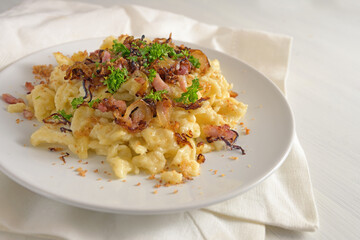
column 124, row 180
column 96, row 170
column 249, row 166
column 155, row 192
column 175, row 191
column 222, row 175
column 81, row 172
column 157, row 185
column 80, row 161
column 99, row 179
column 215, row 172
column 138, row 184
column 151, row 177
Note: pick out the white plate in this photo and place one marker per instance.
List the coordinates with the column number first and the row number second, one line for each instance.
column 269, row 117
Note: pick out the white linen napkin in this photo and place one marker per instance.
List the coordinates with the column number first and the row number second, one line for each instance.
column 285, row 199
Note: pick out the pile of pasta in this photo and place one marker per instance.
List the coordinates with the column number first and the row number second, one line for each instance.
column 146, row 105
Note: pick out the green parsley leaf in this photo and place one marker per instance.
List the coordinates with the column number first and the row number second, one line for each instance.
column 133, row 58
column 93, row 75
column 116, row 78
column 194, row 61
column 77, row 101
column 97, row 64
column 91, row 103
column 152, row 75
column 56, row 117
column 156, row 96
column 190, row 96
column 183, row 53
column 63, row 113
column 159, row 51
column 37, row 97
column 113, row 60
column 118, row 47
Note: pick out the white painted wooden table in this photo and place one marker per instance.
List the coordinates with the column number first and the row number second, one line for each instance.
column 323, row 90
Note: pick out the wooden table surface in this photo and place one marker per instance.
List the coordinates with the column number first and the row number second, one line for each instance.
column 323, row 89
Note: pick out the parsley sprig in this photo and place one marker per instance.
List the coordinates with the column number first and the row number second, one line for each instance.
column 115, row 79
column 152, row 75
column 190, row 96
column 62, row 113
column 76, row 102
column 156, row 96
column 194, row 61
column 118, row 47
column 92, row 102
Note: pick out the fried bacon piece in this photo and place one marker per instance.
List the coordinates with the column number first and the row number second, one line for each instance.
column 159, row 84
column 111, row 104
column 29, row 86
column 224, row 133
column 163, row 112
column 11, row 99
column 28, row 114
column 183, row 83
column 183, row 67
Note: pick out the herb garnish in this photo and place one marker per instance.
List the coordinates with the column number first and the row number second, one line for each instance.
column 115, row 78
column 194, row 61
column 91, row 103
column 76, row 102
column 190, row 96
column 156, row 96
column 63, row 114
column 152, row 75
column 118, row 47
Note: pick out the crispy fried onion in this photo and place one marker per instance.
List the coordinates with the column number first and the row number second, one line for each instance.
column 200, row 158
column 224, row 133
column 191, row 106
column 87, row 90
column 204, row 62
column 136, row 118
column 56, row 118
column 78, row 71
column 64, row 130
column 182, row 138
column 163, row 111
